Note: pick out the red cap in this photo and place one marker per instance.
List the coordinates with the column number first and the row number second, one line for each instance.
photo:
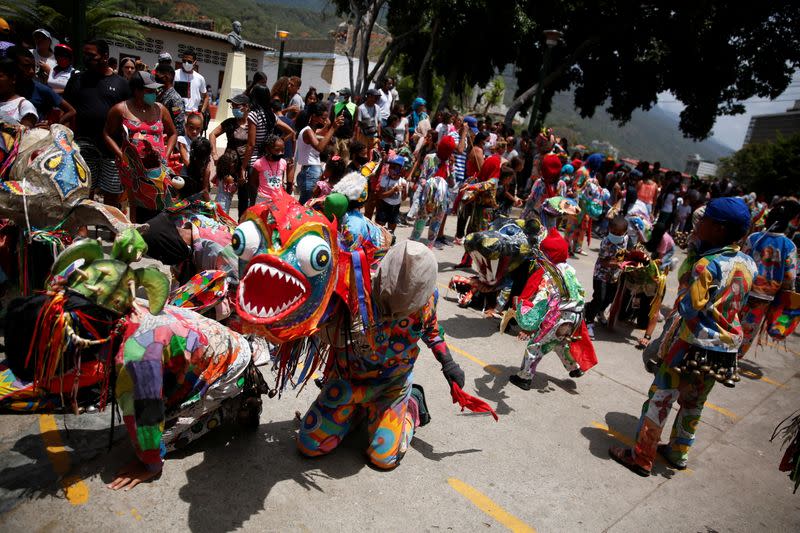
column 555, row 247
column 551, row 167
column 446, row 148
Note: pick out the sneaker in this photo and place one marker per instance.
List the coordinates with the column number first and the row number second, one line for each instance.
column 522, row 383
column 418, row 394
column 583, row 252
column 590, row 329
column 576, row 373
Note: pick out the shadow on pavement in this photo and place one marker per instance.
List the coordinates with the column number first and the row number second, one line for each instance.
column 491, row 387
column 28, row 473
column 239, row 469
column 750, row 369
column 428, row 452
column 468, row 326
column 624, row 424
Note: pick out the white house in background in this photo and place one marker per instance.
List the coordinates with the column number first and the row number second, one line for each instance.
column 318, row 62
column 211, row 48
column 699, row 167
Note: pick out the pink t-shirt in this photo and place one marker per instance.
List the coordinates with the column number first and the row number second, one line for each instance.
column 270, row 174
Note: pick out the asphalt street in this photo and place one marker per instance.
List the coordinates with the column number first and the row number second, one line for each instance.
column 542, row 467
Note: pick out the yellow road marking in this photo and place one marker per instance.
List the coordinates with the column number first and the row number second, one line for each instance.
column 488, row 506
column 721, row 410
column 486, row 366
column 753, row 375
column 611, row 433
column 628, row 442
column 77, row 491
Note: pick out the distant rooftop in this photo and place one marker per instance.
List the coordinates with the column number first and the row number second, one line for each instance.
column 172, row 26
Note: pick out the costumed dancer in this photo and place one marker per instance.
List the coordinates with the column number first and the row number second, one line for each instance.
column 179, row 375
column 551, row 309
column 431, row 195
column 701, row 346
column 547, row 186
column 589, row 194
column 373, row 377
column 776, row 258
column 607, row 271
column 354, row 228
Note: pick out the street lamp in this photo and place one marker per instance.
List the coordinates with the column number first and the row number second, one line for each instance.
column 282, row 35
column 551, row 39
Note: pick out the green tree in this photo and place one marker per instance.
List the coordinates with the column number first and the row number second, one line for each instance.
column 621, row 54
column 769, row 168
column 60, row 17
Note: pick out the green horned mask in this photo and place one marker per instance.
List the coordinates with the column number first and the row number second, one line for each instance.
column 111, row 283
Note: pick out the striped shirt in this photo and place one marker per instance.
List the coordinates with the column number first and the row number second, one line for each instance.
column 460, row 166
column 265, row 125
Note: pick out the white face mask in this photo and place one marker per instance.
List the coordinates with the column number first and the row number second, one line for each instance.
column 187, row 66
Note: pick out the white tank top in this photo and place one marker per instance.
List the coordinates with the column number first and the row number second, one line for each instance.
column 305, row 154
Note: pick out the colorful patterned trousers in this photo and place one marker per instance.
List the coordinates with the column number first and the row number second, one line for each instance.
column 434, row 222
column 385, row 406
column 690, row 392
column 535, row 351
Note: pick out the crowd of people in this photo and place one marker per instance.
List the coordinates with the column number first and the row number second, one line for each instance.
column 136, row 123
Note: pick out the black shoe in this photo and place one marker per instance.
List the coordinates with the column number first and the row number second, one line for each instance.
column 575, row 373
column 418, row 393
column 663, row 450
column 522, row 383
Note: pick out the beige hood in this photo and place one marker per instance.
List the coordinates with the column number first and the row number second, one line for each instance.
column 404, row 281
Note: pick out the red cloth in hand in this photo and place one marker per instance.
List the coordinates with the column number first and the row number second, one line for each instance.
column 476, row 405
column 582, row 349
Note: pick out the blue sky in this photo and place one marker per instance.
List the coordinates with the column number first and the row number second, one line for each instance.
column 730, row 130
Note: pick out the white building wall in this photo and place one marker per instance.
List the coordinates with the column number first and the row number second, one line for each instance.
column 211, row 53
column 325, row 72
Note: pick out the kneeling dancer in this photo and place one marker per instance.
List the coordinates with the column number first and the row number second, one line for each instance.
column 373, row 377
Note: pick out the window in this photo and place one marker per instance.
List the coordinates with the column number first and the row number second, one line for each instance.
column 292, row 67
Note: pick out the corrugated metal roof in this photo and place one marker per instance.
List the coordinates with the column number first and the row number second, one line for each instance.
column 171, row 26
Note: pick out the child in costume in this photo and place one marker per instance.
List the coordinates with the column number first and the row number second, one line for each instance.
column 551, row 309
column 547, row 186
column 431, row 197
column 374, row 376
column 776, row 258
column 607, row 271
column 701, row 345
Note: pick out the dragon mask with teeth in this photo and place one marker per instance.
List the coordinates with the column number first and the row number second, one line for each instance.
column 503, row 247
column 288, row 260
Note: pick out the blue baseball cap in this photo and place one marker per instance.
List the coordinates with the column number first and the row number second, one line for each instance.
column 473, row 123
column 397, row 160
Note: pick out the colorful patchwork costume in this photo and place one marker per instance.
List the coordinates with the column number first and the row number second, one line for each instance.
column 179, row 375
column 776, row 258
column 372, row 373
column 551, row 309
column 431, row 197
column 707, row 335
